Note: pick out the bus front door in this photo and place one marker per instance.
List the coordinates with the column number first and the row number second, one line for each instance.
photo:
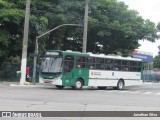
column 68, row 73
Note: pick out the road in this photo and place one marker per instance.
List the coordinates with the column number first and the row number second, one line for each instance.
column 137, row 98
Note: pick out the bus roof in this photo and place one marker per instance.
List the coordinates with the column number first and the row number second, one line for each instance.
column 97, row 55
column 114, row 57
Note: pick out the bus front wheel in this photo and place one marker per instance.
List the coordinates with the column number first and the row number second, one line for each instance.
column 59, row 86
column 78, row 84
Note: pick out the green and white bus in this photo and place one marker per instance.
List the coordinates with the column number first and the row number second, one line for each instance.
column 76, row 69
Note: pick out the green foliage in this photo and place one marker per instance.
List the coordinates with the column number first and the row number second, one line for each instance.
column 158, row 26
column 29, row 61
column 115, row 27
column 5, row 4
column 4, row 42
column 156, row 62
column 111, row 27
column 11, row 15
column 14, row 60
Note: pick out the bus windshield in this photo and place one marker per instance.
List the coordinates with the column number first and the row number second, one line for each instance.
column 52, row 65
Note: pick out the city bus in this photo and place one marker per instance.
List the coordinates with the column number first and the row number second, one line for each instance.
column 76, row 69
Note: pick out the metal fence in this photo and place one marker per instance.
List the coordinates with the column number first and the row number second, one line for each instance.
column 149, row 75
column 9, row 72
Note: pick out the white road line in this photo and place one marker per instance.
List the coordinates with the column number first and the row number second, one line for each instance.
column 109, row 91
column 100, row 90
column 123, row 91
column 146, row 93
column 157, row 94
column 135, row 92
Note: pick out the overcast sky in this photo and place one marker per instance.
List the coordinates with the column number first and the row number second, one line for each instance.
column 148, row 9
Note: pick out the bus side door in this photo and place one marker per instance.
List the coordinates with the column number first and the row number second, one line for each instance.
column 68, row 67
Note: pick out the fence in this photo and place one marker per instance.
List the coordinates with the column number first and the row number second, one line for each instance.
column 149, row 75
column 8, row 72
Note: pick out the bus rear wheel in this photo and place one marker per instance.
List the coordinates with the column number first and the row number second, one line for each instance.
column 78, row 84
column 59, row 86
column 120, row 85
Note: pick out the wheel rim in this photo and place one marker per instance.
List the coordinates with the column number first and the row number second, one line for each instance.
column 78, row 84
column 120, row 85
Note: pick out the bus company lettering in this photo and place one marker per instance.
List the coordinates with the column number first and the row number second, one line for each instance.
column 96, row 73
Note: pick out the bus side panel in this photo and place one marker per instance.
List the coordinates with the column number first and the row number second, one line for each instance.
column 110, row 78
column 82, row 74
column 68, row 79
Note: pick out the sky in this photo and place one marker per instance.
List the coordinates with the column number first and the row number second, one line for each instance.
column 148, row 9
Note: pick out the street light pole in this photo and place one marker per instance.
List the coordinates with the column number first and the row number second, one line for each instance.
column 84, row 49
column 25, row 44
column 36, row 47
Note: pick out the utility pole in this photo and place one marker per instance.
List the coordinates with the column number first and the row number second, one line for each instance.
column 25, row 44
column 84, row 49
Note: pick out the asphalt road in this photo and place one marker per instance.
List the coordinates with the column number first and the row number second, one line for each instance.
column 47, row 98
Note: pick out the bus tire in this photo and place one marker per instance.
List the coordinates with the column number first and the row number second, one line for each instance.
column 101, row 88
column 59, row 86
column 78, row 84
column 120, row 85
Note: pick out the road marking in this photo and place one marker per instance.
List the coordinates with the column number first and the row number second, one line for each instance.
column 109, row 91
column 123, row 91
column 135, row 92
column 146, row 93
column 100, row 90
column 157, row 94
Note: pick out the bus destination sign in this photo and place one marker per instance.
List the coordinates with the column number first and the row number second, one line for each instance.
column 49, row 53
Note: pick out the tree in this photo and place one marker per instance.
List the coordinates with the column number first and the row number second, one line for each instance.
column 112, row 27
column 158, row 26
column 156, row 63
column 10, row 29
column 115, row 27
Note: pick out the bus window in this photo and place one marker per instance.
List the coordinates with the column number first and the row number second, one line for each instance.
column 90, row 63
column 80, row 62
column 134, row 66
column 100, row 64
column 91, row 60
column 52, row 65
column 69, row 57
column 133, row 63
column 108, row 64
column 68, row 63
column 139, row 66
column 125, row 65
column 117, row 65
column 133, row 69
